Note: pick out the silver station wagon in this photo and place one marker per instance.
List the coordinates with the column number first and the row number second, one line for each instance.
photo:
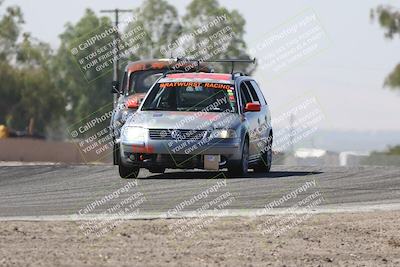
column 198, row 120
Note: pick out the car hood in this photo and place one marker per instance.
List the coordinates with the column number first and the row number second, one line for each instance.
column 184, row 120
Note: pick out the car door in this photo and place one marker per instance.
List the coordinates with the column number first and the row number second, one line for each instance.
column 251, row 118
column 263, row 119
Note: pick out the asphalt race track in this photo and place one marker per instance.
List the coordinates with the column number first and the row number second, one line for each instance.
column 54, row 190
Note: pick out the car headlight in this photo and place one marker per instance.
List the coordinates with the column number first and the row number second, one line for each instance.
column 224, row 133
column 133, row 134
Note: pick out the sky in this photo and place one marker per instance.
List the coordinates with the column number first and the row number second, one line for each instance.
column 346, row 78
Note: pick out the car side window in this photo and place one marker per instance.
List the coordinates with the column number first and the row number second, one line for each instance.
column 132, row 83
column 259, row 93
column 252, row 92
column 124, row 83
column 244, row 94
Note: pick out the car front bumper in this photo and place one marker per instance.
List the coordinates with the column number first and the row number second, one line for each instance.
column 179, row 154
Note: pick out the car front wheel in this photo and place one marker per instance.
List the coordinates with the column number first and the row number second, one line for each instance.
column 128, row 172
column 264, row 165
column 115, row 154
column 240, row 168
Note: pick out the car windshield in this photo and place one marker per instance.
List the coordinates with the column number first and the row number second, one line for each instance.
column 191, row 96
column 141, row 81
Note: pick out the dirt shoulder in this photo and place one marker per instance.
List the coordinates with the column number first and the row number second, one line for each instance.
column 367, row 239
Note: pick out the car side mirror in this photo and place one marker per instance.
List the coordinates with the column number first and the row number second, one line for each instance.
column 133, row 103
column 115, row 87
column 252, row 107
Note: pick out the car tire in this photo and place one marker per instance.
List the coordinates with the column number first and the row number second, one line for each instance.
column 115, row 154
column 240, row 169
column 157, row 170
column 128, row 172
column 265, row 162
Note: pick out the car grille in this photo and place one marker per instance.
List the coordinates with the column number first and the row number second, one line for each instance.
column 176, row 134
column 180, row 160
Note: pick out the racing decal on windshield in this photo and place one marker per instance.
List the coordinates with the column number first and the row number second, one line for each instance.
column 180, row 84
column 218, row 86
column 197, row 84
column 231, row 96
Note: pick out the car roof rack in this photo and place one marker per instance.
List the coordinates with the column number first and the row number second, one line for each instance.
column 171, row 72
column 239, row 74
column 198, row 61
column 233, row 61
column 227, row 60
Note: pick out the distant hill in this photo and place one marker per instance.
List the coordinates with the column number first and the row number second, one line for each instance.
column 351, row 140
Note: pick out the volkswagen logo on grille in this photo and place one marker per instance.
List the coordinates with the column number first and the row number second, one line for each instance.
column 175, row 134
column 163, row 133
